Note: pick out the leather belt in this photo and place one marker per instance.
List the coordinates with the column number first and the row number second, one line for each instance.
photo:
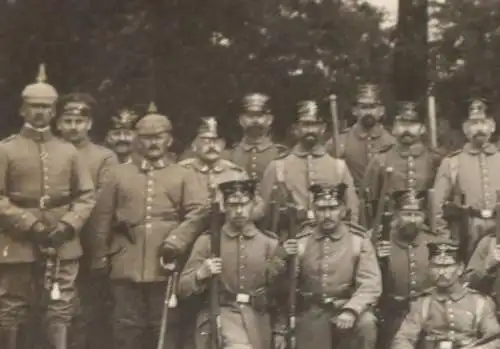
column 46, row 202
column 315, row 299
column 257, row 301
column 484, row 214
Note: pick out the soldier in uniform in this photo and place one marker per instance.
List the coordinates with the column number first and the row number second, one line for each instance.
column 121, row 135
column 404, row 262
column 339, row 278
column 147, row 207
column 207, row 161
column 482, row 270
column 242, row 268
column 451, row 316
column 307, row 164
column 46, row 196
column 91, row 326
column 359, row 143
column 471, row 171
column 413, row 163
column 256, row 150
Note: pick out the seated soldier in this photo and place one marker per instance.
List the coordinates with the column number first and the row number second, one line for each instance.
column 451, row 316
column 338, row 278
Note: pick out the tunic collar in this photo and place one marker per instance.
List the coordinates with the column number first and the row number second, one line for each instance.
column 200, row 166
column 37, row 135
column 414, row 150
column 317, row 151
column 375, row 132
column 146, row 165
column 455, row 296
column 419, row 240
column 249, row 231
column 340, row 232
column 263, row 144
column 488, row 149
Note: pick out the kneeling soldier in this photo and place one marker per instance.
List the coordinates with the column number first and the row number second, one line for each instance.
column 339, row 278
column 451, row 316
column 242, row 269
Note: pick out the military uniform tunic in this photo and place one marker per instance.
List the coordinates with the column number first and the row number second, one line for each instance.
column 300, row 169
column 341, row 267
column 254, row 158
column 461, row 317
column 412, row 168
column 245, row 275
column 475, row 174
column 41, row 178
column 406, row 279
column 358, row 147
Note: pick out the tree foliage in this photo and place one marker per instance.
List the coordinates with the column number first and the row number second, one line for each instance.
column 193, row 57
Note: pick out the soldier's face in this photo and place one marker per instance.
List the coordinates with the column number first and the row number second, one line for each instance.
column 74, row 128
column 328, row 217
column 256, row 124
column 445, row 276
column 408, row 132
column 38, row 115
column 120, row 140
column 409, row 223
column 239, row 214
column 153, row 146
column 310, row 133
column 368, row 114
column 208, row 148
column 479, row 131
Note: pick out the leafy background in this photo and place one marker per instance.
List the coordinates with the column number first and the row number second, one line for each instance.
column 198, row 57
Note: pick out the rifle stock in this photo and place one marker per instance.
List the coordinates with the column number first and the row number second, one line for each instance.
column 292, row 277
column 335, row 125
column 215, row 241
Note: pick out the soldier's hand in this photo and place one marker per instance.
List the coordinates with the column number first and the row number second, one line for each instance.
column 60, row 235
column 291, row 247
column 39, row 232
column 383, row 249
column 345, row 320
column 279, row 342
column 210, row 267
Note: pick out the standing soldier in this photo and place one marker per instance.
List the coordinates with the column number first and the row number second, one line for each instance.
column 149, row 208
column 471, row 171
column 405, row 272
column 308, row 164
column 451, row 316
column 413, row 163
column 207, row 162
column 339, row 279
column 256, row 150
column 242, row 270
column 46, row 195
column 359, row 143
column 91, row 326
column 121, row 136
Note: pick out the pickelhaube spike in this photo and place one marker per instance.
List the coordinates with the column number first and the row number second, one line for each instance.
column 152, row 109
column 42, row 73
column 40, row 91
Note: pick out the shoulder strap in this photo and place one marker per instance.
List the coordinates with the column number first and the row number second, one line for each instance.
column 481, row 301
column 426, row 306
column 280, row 171
column 453, row 166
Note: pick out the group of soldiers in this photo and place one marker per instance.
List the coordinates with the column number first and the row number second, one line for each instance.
column 372, row 239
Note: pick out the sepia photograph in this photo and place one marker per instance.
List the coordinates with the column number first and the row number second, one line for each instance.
column 249, row 174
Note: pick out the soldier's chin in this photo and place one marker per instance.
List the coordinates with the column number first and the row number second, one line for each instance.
column 122, row 148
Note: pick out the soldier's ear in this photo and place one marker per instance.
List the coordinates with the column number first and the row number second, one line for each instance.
column 222, row 143
column 380, row 112
column 170, row 140
column 356, row 112
column 322, row 128
column 269, row 119
column 240, row 120
column 89, row 125
column 492, row 125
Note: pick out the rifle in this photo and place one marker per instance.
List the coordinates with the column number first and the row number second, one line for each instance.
column 381, row 205
column 335, row 125
column 385, row 235
column 169, row 301
column 215, row 241
column 431, row 113
column 292, row 265
column 366, row 208
column 431, row 212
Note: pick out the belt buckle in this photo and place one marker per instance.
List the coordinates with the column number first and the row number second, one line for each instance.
column 328, row 300
column 445, row 345
column 486, row 214
column 242, row 298
column 43, row 202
